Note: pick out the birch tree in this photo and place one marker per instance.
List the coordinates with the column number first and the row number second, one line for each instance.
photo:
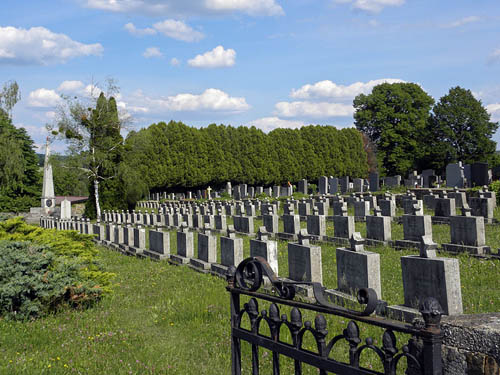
column 94, row 131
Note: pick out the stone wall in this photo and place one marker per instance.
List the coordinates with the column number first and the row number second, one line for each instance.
column 471, row 344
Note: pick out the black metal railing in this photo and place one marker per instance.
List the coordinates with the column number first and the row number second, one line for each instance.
column 422, row 353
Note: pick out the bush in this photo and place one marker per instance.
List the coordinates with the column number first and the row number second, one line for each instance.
column 42, row 270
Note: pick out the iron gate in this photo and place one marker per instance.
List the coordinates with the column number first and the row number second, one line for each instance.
column 422, row 353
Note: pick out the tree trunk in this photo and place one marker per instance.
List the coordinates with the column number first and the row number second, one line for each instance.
column 96, row 194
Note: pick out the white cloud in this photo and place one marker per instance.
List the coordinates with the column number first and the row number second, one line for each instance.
column 495, row 55
column 311, row 109
column 43, row 98
column 188, row 7
column 178, row 30
column 462, row 21
column 373, row 6
column 270, row 123
column 254, row 7
column 130, row 27
column 50, row 115
column 329, row 89
column 175, row 61
column 39, row 45
column 70, row 86
column 216, row 58
column 152, row 52
column 494, row 111
column 212, row 100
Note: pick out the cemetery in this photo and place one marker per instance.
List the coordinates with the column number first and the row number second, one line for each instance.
column 267, row 247
column 405, row 255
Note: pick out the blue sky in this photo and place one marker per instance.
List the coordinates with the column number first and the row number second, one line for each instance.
column 268, row 63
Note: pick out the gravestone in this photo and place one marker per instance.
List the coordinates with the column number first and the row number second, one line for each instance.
column 270, row 220
column 344, row 184
column 429, row 200
column 159, row 245
column 482, row 207
column 426, row 275
column 428, row 177
column 304, row 208
column 467, row 234
column 65, row 209
column 479, row 174
column 207, row 250
column 393, row 181
column 185, row 245
column 302, row 186
column 343, row 225
column 358, row 185
column 291, row 224
column 322, row 207
column 374, row 181
column 455, row 175
column 338, row 207
column 304, row 260
column 316, row 225
column 231, row 249
column 220, row 221
column 378, row 228
column 356, row 269
column 243, row 224
column 388, row 207
column 460, row 198
column 323, row 185
column 263, row 247
column 415, row 227
column 361, row 210
column 333, row 185
column 444, row 207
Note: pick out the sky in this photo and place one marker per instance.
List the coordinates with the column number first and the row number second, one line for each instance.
column 266, row 63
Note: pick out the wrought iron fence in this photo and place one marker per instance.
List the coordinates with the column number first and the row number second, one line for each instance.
column 422, row 352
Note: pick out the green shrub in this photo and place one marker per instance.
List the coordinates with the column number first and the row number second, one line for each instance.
column 495, row 186
column 71, row 260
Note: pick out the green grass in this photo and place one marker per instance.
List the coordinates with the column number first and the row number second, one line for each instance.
column 163, row 319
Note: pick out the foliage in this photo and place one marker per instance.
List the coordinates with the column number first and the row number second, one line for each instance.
column 394, row 117
column 459, row 130
column 175, row 156
column 20, row 180
column 94, row 132
column 495, row 186
column 73, row 260
column 69, row 179
column 9, row 96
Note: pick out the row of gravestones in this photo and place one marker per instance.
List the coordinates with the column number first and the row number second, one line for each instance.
column 423, row 276
column 457, row 175
column 467, row 232
column 444, row 206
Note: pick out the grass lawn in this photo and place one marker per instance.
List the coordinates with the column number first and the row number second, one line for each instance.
column 163, row 319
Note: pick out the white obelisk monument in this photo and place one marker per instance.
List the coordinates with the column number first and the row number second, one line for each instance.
column 48, row 196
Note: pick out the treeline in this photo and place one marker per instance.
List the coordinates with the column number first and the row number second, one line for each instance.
column 20, row 180
column 174, row 156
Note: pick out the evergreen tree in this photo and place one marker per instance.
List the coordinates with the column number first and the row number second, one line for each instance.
column 20, row 180
column 95, row 133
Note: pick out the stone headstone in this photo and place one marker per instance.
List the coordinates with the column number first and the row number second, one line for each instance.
column 159, row 245
column 479, row 174
column 304, row 260
column 264, row 247
column 333, row 185
column 302, row 186
column 65, row 209
column 374, row 181
column 455, row 175
column 357, row 268
column 323, row 185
